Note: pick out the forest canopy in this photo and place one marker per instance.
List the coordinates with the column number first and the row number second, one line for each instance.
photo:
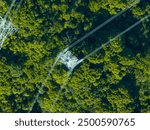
column 115, row 79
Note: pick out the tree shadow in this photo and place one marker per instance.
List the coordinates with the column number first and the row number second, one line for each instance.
column 130, row 83
column 11, row 58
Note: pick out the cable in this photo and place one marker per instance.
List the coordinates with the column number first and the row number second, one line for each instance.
column 10, row 8
column 16, row 11
column 75, row 43
column 42, row 86
column 122, row 33
column 61, row 88
column 102, row 25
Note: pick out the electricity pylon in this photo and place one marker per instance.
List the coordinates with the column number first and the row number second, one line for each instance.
column 6, row 29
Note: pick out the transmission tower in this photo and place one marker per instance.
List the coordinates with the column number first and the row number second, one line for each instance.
column 6, row 29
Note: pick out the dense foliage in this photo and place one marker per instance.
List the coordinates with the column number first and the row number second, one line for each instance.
column 115, row 79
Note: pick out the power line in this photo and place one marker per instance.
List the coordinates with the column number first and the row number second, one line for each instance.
column 16, row 11
column 122, row 33
column 102, row 25
column 9, row 10
column 75, row 43
column 99, row 48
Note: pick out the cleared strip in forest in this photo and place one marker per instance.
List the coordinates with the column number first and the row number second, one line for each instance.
column 75, row 43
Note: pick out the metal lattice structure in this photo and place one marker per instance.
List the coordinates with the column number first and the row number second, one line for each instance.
column 6, row 29
column 68, row 59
